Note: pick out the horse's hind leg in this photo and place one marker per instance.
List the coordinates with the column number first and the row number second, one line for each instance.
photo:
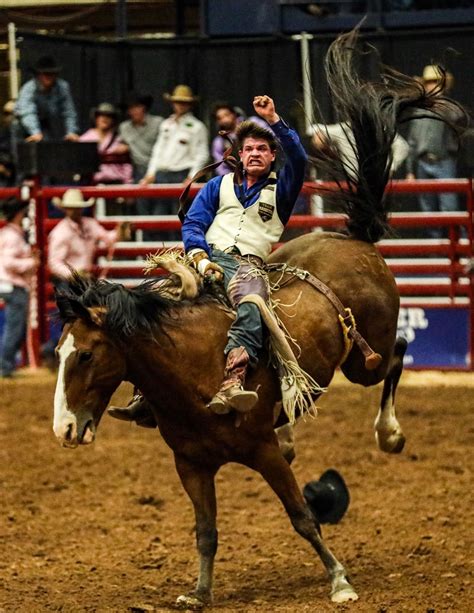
column 199, row 485
column 388, row 433
column 270, row 463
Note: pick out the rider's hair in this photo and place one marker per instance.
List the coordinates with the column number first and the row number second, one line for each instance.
column 250, row 129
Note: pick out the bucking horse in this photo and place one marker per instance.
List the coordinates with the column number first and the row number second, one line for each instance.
column 172, row 350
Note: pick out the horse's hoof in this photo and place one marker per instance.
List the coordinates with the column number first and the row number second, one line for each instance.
column 345, row 594
column 190, row 602
column 391, row 444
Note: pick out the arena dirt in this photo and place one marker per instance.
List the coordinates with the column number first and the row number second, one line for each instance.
column 109, row 528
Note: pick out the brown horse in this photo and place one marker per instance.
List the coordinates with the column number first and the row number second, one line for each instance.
column 173, row 351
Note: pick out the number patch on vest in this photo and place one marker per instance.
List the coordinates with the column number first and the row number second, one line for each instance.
column 265, row 211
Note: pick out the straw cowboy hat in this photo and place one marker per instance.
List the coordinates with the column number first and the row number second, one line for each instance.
column 72, row 199
column 181, row 93
column 328, row 497
column 434, row 73
column 105, row 108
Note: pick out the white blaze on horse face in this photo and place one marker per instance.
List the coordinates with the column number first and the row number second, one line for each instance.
column 65, row 424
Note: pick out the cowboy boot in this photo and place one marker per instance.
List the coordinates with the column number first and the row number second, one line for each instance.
column 231, row 395
column 137, row 410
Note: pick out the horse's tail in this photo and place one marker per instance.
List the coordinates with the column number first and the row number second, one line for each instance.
column 370, row 112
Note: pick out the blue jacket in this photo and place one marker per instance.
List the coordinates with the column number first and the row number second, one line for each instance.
column 39, row 111
column 290, row 180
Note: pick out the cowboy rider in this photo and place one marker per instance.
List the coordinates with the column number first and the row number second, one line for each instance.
column 228, row 233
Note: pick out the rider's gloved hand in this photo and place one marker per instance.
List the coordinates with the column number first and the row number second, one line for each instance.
column 204, row 266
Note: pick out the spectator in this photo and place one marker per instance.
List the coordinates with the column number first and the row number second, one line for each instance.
column 17, row 265
column 433, row 147
column 179, row 152
column 340, row 135
column 45, row 109
column 140, row 132
column 72, row 244
column 72, row 247
column 7, row 166
column 115, row 167
column 227, row 118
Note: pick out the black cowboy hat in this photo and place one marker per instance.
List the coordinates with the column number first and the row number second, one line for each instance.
column 47, row 64
column 12, row 206
column 134, row 98
column 328, row 497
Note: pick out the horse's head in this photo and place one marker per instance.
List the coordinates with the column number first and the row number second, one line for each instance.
column 91, row 366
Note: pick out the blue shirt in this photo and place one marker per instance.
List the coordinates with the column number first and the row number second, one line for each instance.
column 290, row 180
column 39, row 110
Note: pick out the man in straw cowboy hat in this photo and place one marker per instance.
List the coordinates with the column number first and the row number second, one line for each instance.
column 181, row 149
column 433, row 147
column 73, row 243
column 45, row 108
column 72, row 246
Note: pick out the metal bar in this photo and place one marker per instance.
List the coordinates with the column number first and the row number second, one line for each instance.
column 12, row 61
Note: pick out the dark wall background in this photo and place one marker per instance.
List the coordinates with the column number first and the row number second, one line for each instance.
column 235, row 69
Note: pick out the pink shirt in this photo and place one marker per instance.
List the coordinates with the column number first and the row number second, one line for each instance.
column 108, row 173
column 73, row 245
column 16, row 264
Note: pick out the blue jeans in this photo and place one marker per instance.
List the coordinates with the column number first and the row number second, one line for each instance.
column 16, row 312
column 247, row 328
column 446, row 202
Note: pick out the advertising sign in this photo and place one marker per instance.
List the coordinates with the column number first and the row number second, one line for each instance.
column 437, row 337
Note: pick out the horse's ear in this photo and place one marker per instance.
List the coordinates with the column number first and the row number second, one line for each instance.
column 70, row 308
column 65, row 308
column 98, row 315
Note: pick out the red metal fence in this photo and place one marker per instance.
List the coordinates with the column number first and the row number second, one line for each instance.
column 429, row 271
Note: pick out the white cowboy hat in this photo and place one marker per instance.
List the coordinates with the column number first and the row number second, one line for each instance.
column 181, row 93
column 73, row 199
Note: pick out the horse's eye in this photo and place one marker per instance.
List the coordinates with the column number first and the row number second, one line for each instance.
column 85, row 356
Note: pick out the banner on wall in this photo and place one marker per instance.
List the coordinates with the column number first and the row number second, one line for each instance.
column 437, row 337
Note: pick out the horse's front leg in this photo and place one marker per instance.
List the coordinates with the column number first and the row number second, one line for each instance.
column 199, row 485
column 388, row 432
column 270, row 463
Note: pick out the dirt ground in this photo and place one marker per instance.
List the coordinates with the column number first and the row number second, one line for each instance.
column 109, row 528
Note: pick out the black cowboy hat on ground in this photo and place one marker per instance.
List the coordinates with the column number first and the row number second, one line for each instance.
column 12, row 206
column 328, row 498
column 47, row 65
column 137, row 98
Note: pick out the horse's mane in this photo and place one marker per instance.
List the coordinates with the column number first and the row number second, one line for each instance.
column 370, row 112
column 141, row 310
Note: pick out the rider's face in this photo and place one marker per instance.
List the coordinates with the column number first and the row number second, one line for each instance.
column 256, row 156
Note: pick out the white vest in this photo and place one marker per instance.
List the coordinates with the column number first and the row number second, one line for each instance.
column 253, row 230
